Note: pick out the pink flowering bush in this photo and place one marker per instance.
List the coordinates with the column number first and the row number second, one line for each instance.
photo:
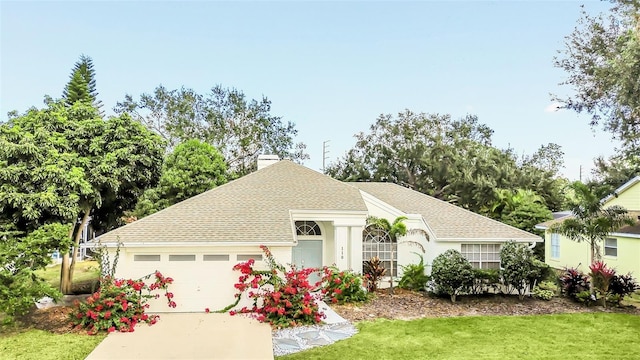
column 280, row 297
column 342, row 286
column 120, row 304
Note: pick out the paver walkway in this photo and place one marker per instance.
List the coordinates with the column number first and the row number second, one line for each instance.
column 190, row 336
column 291, row 340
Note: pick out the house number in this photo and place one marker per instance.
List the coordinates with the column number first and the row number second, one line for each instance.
column 342, row 252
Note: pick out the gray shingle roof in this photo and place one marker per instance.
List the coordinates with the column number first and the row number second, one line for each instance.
column 252, row 208
column 447, row 221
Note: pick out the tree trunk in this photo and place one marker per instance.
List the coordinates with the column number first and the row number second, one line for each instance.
column 66, row 271
column 64, row 268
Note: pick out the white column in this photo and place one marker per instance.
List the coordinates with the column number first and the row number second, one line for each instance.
column 356, row 249
column 341, row 237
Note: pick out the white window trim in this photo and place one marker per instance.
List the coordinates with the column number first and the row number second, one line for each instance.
column 610, row 247
column 481, row 262
column 555, row 254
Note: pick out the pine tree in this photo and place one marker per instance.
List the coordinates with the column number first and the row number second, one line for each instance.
column 82, row 84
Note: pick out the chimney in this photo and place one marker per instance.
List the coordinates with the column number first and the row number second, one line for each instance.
column 266, row 160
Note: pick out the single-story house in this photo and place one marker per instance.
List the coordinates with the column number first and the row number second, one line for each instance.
column 621, row 250
column 305, row 218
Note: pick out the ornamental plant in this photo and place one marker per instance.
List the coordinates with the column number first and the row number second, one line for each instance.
column 601, row 277
column 342, row 286
column 373, row 271
column 120, row 304
column 452, row 273
column 413, row 276
column 621, row 286
column 517, row 267
column 573, row 282
column 280, row 297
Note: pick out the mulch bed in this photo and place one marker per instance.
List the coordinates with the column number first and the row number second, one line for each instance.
column 406, row 305
column 402, row 305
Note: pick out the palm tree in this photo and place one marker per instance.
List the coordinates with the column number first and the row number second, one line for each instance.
column 591, row 221
column 394, row 230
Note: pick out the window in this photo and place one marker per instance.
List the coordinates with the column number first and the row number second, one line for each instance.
column 482, row 256
column 256, row 257
column 182, row 258
column 146, row 257
column 611, row 247
column 215, row 258
column 308, row 228
column 555, row 245
column 376, row 242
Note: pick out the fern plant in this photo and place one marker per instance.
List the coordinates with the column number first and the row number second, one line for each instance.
column 413, row 276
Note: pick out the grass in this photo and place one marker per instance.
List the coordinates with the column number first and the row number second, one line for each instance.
column 633, row 299
column 43, row 345
column 589, row 335
column 84, row 271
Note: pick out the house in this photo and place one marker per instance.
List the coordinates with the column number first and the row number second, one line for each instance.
column 621, row 250
column 305, row 218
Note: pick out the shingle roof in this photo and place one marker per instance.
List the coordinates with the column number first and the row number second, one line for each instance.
column 627, row 229
column 254, row 207
column 447, row 221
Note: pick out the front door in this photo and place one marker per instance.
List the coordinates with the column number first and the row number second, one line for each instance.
column 308, row 254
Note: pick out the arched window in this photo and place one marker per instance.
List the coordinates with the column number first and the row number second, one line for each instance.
column 377, row 242
column 307, row 228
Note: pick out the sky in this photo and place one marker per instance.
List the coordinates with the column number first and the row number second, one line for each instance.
column 329, row 67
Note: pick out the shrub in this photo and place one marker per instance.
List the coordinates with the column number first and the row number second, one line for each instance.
column 573, row 282
column 540, row 272
column 373, row 272
column 545, row 290
column 601, row 277
column 413, row 276
column 585, row 297
column 452, row 273
column 342, row 286
column 120, row 304
column 517, row 267
column 484, row 280
column 281, row 298
column 621, row 286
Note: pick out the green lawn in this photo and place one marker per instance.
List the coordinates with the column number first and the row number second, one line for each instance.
column 43, row 345
column 565, row 336
column 84, row 271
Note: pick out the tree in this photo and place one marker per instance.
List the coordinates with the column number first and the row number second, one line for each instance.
column 64, row 164
column 239, row 128
column 20, row 257
column 191, row 169
column 610, row 174
column 452, row 273
column 452, row 160
column 394, row 230
column 517, row 263
column 82, row 84
column 522, row 209
column 591, row 221
column 602, row 60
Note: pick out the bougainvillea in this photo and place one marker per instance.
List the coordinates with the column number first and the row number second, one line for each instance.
column 280, row 297
column 120, row 304
column 342, row 286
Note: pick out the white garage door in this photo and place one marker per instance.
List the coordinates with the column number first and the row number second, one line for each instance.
column 200, row 280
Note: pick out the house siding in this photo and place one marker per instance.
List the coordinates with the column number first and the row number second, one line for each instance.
column 629, row 199
column 575, row 254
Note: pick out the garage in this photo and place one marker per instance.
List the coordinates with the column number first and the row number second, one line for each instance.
column 202, row 279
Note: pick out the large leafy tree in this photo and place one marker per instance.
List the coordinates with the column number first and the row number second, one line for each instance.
column 609, row 174
column 520, row 208
column 65, row 164
column 238, row 127
column 192, row 168
column 591, row 222
column 449, row 159
column 602, row 60
column 82, row 84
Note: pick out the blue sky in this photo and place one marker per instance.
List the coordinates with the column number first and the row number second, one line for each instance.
column 329, row 67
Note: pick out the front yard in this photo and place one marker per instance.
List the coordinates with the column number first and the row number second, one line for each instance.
column 587, row 335
column 43, row 345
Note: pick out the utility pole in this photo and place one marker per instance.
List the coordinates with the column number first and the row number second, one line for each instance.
column 325, row 152
column 580, row 178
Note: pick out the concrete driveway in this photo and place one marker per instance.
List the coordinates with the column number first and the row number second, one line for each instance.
column 190, row 336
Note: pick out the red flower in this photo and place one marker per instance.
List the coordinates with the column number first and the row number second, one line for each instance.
column 206, row 310
column 125, row 305
column 232, row 313
column 107, row 314
column 111, row 329
column 306, row 311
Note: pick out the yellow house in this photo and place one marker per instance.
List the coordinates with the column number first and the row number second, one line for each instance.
column 620, row 250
